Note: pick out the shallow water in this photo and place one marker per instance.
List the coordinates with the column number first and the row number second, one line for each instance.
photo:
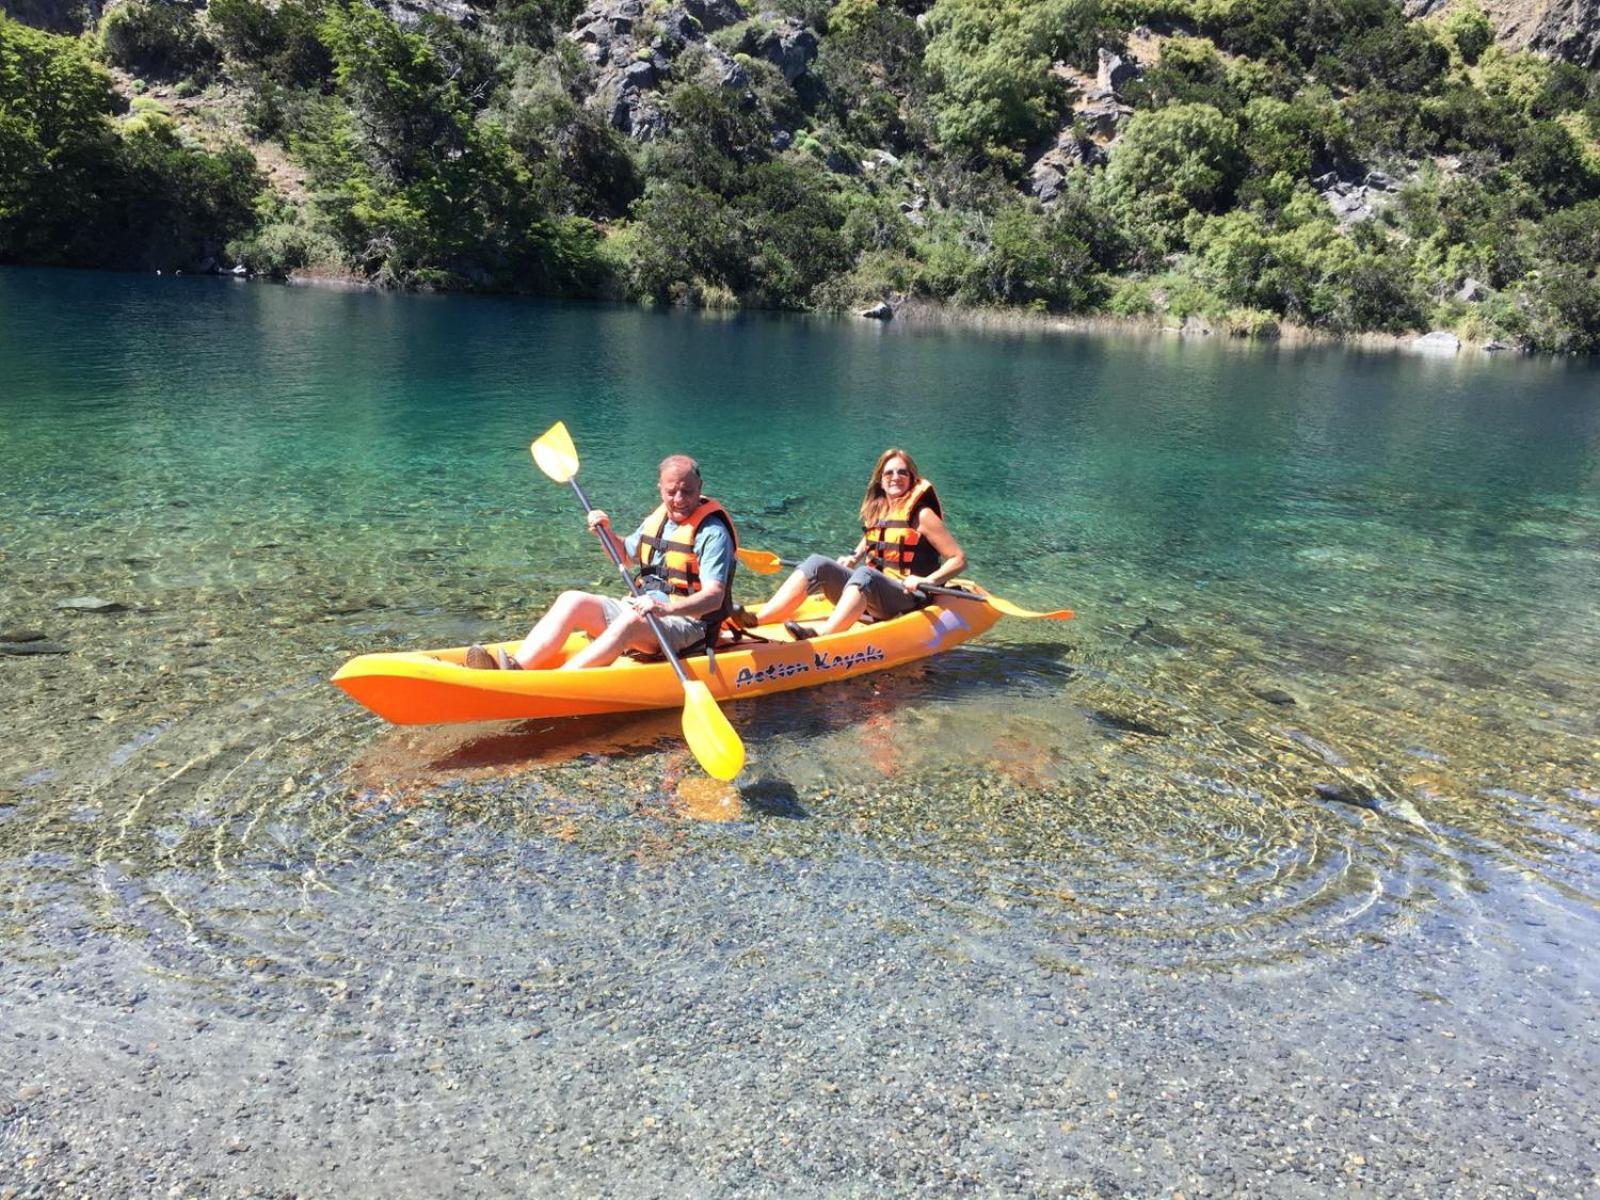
column 1323, row 730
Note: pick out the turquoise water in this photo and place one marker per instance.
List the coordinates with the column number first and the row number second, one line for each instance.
column 1331, row 686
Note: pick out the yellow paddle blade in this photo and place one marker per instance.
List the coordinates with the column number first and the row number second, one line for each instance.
column 762, row 562
column 715, row 744
column 1011, row 610
column 556, row 455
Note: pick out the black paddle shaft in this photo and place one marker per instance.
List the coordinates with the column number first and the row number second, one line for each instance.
column 633, row 589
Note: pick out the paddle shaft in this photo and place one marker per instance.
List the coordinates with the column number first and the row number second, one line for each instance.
column 633, row 590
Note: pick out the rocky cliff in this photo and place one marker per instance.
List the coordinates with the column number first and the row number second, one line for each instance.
column 1568, row 29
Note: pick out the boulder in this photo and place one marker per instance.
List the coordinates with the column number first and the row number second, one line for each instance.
column 714, row 14
column 790, row 47
column 881, row 311
column 1049, row 172
column 1471, row 291
column 1114, row 71
column 1438, row 342
column 1103, row 118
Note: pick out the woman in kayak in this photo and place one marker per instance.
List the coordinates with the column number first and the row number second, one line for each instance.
column 904, row 544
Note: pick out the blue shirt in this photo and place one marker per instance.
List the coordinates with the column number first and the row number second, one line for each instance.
column 712, row 546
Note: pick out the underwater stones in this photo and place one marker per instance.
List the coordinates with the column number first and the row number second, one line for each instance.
column 21, row 635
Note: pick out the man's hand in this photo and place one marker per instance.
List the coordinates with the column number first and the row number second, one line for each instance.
column 645, row 604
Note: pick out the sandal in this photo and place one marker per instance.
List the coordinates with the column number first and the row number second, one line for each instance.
column 505, row 661
column 479, row 659
column 798, row 631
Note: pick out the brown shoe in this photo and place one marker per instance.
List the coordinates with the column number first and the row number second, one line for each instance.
column 743, row 617
column 507, row 663
column 798, row 631
column 479, row 659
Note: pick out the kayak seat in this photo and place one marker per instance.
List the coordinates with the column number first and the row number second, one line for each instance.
column 729, row 635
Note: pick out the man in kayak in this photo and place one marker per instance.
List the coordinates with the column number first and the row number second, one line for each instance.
column 904, row 544
column 686, row 551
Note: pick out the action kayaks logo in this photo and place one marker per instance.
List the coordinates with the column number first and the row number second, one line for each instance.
column 819, row 662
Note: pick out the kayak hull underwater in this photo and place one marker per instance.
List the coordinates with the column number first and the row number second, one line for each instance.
column 434, row 687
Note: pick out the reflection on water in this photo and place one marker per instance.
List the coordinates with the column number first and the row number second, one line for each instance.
column 1334, row 668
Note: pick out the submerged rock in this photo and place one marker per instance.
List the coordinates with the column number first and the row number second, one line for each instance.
column 91, row 604
column 1274, row 695
column 1360, row 796
column 21, row 635
column 1351, row 794
column 1321, row 749
column 24, row 649
column 1122, row 724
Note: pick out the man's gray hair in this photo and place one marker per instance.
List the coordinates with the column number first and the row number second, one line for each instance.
column 678, row 460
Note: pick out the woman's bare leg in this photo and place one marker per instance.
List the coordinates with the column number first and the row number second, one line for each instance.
column 786, row 601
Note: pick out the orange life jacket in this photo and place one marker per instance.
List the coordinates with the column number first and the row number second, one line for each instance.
column 893, row 544
column 672, row 560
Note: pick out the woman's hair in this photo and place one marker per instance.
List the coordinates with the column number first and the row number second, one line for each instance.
column 876, row 502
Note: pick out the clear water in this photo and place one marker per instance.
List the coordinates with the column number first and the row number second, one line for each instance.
column 271, row 480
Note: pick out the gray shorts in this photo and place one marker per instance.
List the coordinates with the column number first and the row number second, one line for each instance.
column 885, row 597
column 681, row 631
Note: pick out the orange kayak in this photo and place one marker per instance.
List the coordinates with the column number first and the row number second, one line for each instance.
column 431, row 687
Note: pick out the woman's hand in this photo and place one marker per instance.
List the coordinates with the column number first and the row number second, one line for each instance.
column 848, row 560
column 913, row 583
column 597, row 518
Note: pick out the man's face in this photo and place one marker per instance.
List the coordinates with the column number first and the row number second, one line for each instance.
column 680, row 491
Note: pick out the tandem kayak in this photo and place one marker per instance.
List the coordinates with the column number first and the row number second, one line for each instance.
column 433, row 687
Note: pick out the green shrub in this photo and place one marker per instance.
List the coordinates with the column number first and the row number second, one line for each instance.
column 159, row 38
column 1468, row 30
column 1175, row 160
column 990, row 62
column 280, row 40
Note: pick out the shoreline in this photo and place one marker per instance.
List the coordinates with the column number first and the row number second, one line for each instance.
column 916, row 311
column 931, row 313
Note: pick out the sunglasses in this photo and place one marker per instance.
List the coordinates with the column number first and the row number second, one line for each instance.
column 887, row 471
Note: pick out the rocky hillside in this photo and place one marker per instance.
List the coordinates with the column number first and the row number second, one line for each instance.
column 1563, row 29
column 1341, row 164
